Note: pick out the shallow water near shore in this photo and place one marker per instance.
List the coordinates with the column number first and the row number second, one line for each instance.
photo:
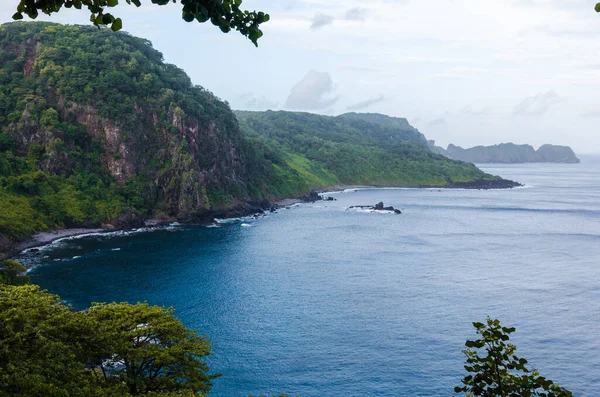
column 319, row 300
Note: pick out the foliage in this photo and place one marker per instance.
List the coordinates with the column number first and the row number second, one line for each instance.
column 13, row 273
column 500, row 372
column 597, row 8
column 366, row 149
column 111, row 350
column 61, row 89
column 225, row 14
column 40, row 345
column 149, row 350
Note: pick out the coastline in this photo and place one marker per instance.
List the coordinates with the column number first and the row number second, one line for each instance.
column 40, row 239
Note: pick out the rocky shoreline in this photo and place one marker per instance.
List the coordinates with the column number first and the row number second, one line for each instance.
column 249, row 208
column 10, row 249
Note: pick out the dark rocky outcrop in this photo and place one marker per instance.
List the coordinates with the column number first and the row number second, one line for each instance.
column 311, row 197
column 377, row 207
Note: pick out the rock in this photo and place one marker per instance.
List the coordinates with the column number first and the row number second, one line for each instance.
column 312, row 197
column 329, row 198
column 377, row 207
column 129, row 220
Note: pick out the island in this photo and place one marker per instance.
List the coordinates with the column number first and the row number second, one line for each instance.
column 508, row 153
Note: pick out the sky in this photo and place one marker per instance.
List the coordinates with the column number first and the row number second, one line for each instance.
column 467, row 72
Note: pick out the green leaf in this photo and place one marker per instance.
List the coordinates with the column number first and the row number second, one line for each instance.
column 117, row 25
column 112, row 3
column 597, row 8
column 17, row 16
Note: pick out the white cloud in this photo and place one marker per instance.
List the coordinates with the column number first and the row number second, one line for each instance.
column 321, row 20
column 367, row 103
column 537, row 105
column 357, row 14
column 312, row 92
column 249, row 101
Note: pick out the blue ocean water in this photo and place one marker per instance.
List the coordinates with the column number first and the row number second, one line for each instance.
column 318, row 300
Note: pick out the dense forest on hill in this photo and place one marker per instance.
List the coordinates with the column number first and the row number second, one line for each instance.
column 95, row 128
column 367, row 149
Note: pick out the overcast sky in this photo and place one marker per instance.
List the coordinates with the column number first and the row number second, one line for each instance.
column 467, row 72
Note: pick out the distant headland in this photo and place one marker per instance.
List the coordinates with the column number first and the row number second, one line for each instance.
column 508, row 153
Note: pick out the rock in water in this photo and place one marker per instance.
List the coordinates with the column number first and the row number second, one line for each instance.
column 377, row 207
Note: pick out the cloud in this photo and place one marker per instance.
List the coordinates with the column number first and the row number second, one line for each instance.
column 537, row 105
column 320, row 20
column 438, row 121
column 357, row 14
column 366, row 103
column 249, row 101
column 310, row 93
column 590, row 114
column 475, row 112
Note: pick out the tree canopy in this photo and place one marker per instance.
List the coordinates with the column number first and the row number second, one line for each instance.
column 118, row 349
column 500, row 373
column 225, row 14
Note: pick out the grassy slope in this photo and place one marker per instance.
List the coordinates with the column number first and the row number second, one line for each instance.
column 355, row 149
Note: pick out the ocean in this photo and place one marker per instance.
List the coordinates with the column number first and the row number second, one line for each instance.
column 322, row 300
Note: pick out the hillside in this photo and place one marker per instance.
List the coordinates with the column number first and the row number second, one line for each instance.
column 95, row 128
column 350, row 149
column 510, row 153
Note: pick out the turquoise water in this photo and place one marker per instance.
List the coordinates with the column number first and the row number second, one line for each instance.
column 317, row 300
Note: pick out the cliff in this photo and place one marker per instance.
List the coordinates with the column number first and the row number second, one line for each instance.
column 95, row 128
column 510, row 153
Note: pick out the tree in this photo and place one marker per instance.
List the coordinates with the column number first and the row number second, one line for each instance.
column 40, row 345
column 225, row 14
column 149, row 350
column 13, row 273
column 500, row 372
column 597, row 7
column 48, row 349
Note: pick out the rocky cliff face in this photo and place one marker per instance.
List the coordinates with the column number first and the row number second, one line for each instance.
column 511, row 153
column 83, row 91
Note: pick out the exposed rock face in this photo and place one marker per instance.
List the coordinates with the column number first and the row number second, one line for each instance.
column 510, row 153
column 177, row 144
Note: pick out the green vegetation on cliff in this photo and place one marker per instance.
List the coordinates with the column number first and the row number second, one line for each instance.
column 356, row 149
column 96, row 128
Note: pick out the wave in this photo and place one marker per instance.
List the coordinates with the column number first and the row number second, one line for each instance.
column 578, row 211
column 574, row 211
column 246, row 225
column 103, row 234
